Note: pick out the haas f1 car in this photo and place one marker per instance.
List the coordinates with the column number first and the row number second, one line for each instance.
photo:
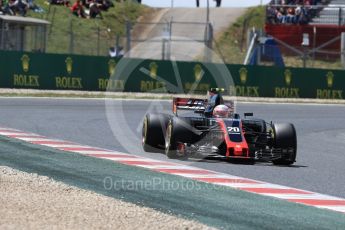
column 211, row 128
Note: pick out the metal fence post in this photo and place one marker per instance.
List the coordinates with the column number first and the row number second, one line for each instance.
column 44, row 39
column 128, row 37
column 210, row 37
column 208, row 12
column 52, row 21
column 165, row 41
column 163, row 48
column 209, row 42
column 342, row 50
column 259, row 47
column 71, row 37
column 170, row 38
column 98, row 40
column 117, row 43
column 339, row 17
column 305, row 56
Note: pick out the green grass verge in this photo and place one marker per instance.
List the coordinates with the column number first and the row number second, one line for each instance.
column 231, row 45
column 68, row 33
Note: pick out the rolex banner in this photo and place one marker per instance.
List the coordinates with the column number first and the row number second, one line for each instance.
column 74, row 72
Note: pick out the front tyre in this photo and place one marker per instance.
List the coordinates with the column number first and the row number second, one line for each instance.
column 153, row 132
column 284, row 138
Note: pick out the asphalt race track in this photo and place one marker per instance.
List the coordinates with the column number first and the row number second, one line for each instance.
column 320, row 129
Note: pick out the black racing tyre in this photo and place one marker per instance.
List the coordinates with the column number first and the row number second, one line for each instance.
column 178, row 131
column 284, row 137
column 153, row 132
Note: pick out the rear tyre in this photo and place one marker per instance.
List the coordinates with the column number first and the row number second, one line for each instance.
column 284, row 137
column 153, row 132
column 179, row 132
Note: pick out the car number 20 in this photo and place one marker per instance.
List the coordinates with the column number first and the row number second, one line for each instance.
column 233, row 129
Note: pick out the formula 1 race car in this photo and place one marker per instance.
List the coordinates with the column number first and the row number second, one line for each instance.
column 213, row 129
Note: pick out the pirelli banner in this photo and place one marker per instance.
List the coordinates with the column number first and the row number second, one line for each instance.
column 73, row 72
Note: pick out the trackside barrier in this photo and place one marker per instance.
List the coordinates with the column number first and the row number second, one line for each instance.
column 74, row 72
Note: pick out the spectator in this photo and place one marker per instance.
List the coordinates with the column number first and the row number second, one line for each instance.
column 104, row 4
column 293, row 11
column 290, row 17
column 94, row 9
column 78, row 10
column 86, row 3
column 59, row 2
column 112, row 52
column 116, row 52
column 34, row 7
column 1, row 7
column 19, row 7
column 271, row 15
column 6, row 9
column 280, row 15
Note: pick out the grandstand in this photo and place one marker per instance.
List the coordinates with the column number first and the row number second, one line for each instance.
column 332, row 14
column 323, row 24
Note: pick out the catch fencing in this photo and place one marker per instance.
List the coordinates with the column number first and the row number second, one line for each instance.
column 169, row 40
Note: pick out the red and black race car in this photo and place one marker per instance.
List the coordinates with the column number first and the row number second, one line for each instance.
column 212, row 129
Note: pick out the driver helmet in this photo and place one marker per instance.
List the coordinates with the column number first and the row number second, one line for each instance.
column 221, row 111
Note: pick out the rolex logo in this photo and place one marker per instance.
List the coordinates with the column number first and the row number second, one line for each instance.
column 153, row 70
column 25, row 62
column 243, row 75
column 330, row 79
column 197, row 72
column 111, row 66
column 288, row 77
column 69, row 63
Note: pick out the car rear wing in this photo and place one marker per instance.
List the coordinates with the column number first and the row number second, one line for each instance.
column 196, row 104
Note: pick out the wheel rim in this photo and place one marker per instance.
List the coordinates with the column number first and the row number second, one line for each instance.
column 168, row 137
column 144, row 132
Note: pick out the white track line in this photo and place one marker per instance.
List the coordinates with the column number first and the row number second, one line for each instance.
column 99, row 152
column 251, row 185
column 302, row 196
column 334, row 208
